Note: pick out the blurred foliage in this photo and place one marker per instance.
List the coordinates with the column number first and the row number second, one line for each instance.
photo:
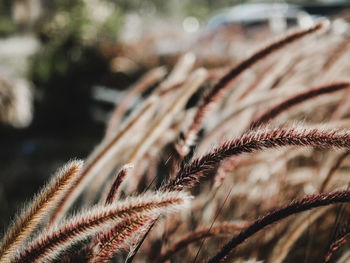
column 68, row 64
column 7, row 25
column 68, row 30
column 87, row 20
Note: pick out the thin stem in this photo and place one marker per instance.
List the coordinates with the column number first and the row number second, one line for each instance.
column 216, row 230
column 294, row 207
column 296, row 99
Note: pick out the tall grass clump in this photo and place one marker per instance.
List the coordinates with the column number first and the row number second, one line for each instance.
column 216, row 164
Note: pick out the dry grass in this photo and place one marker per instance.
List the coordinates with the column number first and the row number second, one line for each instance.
column 261, row 146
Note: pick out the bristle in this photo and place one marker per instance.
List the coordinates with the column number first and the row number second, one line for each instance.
column 41, row 207
column 116, row 183
column 120, row 236
column 93, row 220
column 258, row 140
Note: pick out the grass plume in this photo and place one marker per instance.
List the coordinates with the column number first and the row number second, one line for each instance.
column 41, row 207
column 257, row 140
column 120, row 212
column 87, row 223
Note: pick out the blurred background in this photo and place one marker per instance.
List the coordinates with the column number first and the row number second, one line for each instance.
column 65, row 64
